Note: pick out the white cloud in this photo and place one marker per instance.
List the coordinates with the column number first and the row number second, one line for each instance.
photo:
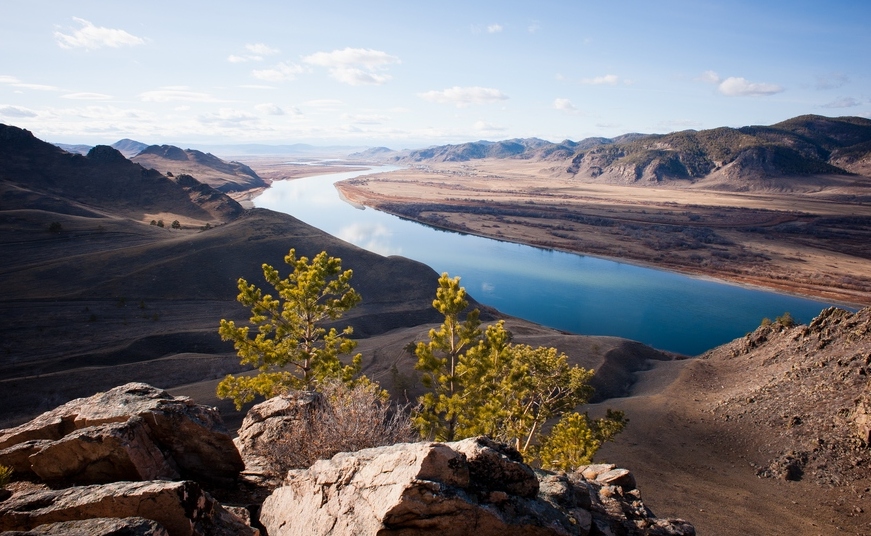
column 464, row 96
column 256, row 53
column 845, row 102
column 735, row 86
column 564, row 105
column 483, row 126
column 86, row 96
column 608, row 79
column 92, row 37
column 176, row 93
column 15, row 82
column 261, row 49
column 257, row 86
column 710, row 77
column 355, row 66
column 533, row 27
column 282, row 71
column 740, row 87
column 16, row 111
column 269, row 109
column 494, row 28
column 227, row 116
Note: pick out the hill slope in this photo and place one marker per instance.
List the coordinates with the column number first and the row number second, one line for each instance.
column 206, row 167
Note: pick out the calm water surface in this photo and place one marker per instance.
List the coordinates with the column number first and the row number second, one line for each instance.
column 575, row 293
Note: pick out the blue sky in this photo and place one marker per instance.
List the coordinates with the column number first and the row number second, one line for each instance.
column 410, row 74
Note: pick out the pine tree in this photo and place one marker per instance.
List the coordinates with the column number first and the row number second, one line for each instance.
column 292, row 349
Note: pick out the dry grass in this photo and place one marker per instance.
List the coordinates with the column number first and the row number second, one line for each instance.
column 342, row 420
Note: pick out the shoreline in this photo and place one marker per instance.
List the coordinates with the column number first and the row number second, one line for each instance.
column 843, row 298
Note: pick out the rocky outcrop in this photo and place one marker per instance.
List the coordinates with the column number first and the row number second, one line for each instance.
column 103, row 526
column 181, row 508
column 266, row 423
column 472, row 486
column 132, row 432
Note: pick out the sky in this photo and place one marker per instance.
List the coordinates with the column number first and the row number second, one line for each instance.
column 407, row 74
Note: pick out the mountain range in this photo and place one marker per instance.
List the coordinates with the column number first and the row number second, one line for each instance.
column 725, row 157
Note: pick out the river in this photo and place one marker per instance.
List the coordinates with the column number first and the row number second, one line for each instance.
column 575, row 293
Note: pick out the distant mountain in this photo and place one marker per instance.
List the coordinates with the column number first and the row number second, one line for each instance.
column 128, row 147
column 206, row 167
column 727, row 158
column 803, row 146
column 35, row 175
column 75, row 149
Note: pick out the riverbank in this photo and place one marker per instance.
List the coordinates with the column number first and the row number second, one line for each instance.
column 812, row 244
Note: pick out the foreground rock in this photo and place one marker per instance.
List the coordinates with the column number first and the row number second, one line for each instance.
column 132, row 432
column 267, row 422
column 181, row 508
column 103, row 526
column 473, row 486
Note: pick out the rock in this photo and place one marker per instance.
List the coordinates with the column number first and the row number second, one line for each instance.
column 192, row 437
column 18, row 456
column 266, row 423
column 862, row 416
column 475, row 486
column 104, row 526
column 182, row 508
column 105, row 453
column 618, row 477
column 498, row 467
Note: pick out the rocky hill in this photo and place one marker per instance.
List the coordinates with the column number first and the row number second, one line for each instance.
column 206, row 167
column 737, row 159
column 95, row 296
column 36, row 175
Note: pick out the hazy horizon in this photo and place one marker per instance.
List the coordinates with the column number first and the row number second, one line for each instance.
column 408, row 76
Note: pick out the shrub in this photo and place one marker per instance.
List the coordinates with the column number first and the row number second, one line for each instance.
column 55, row 227
column 5, row 475
column 176, row 224
column 786, row 320
column 345, row 419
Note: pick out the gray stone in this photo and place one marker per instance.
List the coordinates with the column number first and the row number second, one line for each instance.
column 103, row 526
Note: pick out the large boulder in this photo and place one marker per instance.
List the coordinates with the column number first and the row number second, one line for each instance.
column 266, row 423
column 182, row 508
column 132, row 431
column 475, row 486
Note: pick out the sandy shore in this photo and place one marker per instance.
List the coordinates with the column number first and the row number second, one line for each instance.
column 811, row 243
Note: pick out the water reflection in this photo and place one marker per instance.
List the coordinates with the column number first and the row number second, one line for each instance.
column 575, row 293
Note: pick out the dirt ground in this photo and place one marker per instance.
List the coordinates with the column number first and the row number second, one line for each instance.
column 807, row 237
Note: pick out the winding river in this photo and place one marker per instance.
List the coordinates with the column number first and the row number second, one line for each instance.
column 574, row 293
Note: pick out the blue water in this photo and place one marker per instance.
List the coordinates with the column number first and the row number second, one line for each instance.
column 574, row 293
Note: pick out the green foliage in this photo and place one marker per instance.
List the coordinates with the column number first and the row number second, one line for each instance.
column 786, row 320
column 574, row 440
column 443, row 405
column 5, row 475
column 480, row 383
column 176, row 224
column 160, row 223
column 292, row 349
